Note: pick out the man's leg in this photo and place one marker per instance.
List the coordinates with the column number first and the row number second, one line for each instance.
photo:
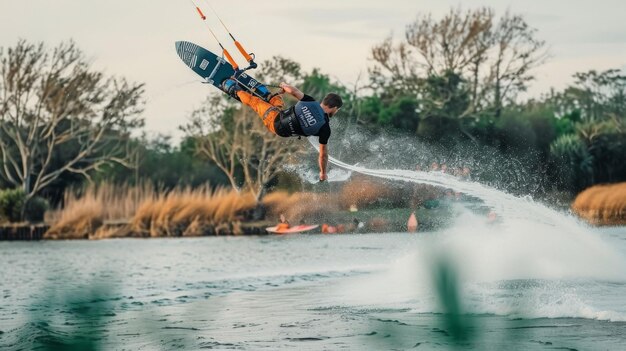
column 266, row 111
column 277, row 101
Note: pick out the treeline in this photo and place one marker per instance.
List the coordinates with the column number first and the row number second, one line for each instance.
column 457, row 80
column 453, row 83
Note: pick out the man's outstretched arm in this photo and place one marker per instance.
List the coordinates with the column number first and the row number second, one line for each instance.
column 323, row 161
column 291, row 90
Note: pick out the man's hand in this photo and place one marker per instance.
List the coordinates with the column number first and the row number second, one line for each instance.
column 286, row 87
column 291, row 90
column 323, row 176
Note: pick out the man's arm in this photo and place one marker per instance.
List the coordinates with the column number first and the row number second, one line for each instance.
column 323, row 162
column 289, row 89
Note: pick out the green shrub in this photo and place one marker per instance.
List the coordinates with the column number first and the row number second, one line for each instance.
column 573, row 162
column 36, row 209
column 11, row 204
column 515, row 132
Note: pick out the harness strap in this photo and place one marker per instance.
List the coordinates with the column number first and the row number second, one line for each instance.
column 271, row 95
column 267, row 113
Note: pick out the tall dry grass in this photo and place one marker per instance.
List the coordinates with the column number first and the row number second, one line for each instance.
column 109, row 211
column 192, row 212
column 86, row 210
column 106, row 210
column 111, row 202
column 602, row 204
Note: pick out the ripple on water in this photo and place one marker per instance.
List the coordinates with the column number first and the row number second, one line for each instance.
column 297, row 293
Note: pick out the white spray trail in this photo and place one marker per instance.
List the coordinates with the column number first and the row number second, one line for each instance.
column 554, row 250
column 529, row 223
column 505, row 204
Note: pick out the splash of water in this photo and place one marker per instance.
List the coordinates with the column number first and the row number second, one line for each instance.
column 505, row 204
column 532, row 243
column 516, row 212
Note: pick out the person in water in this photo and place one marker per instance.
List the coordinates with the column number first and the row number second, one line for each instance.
column 283, row 224
column 306, row 118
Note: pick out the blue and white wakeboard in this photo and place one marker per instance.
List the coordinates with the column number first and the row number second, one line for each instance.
column 215, row 69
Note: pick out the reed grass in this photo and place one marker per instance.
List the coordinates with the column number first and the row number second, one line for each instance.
column 602, row 204
column 109, row 211
column 78, row 220
column 113, row 202
column 144, row 212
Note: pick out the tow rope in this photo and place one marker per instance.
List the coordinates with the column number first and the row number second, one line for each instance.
column 248, row 56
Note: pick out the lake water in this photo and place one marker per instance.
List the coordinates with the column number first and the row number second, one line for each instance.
column 519, row 287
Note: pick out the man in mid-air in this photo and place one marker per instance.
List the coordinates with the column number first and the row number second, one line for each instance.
column 306, row 118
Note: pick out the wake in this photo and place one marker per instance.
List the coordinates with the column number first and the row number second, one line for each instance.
column 504, row 204
column 545, row 239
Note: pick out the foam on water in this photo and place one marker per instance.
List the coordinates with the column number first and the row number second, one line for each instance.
column 535, row 262
column 525, row 270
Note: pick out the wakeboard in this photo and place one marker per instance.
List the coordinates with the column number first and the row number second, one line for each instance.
column 215, row 69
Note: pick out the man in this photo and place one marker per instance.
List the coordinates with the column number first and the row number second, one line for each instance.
column 283, row 224
column 306, row 118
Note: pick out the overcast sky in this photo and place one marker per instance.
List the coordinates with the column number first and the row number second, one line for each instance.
column 135, row 38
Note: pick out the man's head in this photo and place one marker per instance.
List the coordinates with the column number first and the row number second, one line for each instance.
column 331, row 104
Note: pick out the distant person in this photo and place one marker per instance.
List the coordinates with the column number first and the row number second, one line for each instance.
column 306, row 118
column 412, row 223
column 283, row 224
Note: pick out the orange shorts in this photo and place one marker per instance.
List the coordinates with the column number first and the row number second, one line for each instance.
column 266, row 111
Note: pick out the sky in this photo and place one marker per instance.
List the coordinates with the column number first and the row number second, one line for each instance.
column 135, row 38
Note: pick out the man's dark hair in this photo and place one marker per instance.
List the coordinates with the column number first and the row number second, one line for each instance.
column 332, row 100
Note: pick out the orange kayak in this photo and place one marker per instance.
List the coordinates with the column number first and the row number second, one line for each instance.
column 291, row 230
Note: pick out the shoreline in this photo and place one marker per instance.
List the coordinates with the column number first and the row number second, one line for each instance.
column 375, row 221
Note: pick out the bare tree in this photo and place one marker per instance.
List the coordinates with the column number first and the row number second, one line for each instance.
column 599, row 96
column 216, row 135
column 57, row 115
column 494, row 57
column 239, row 144
column 517, row 51
column 262, row 153
column 453, row 43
